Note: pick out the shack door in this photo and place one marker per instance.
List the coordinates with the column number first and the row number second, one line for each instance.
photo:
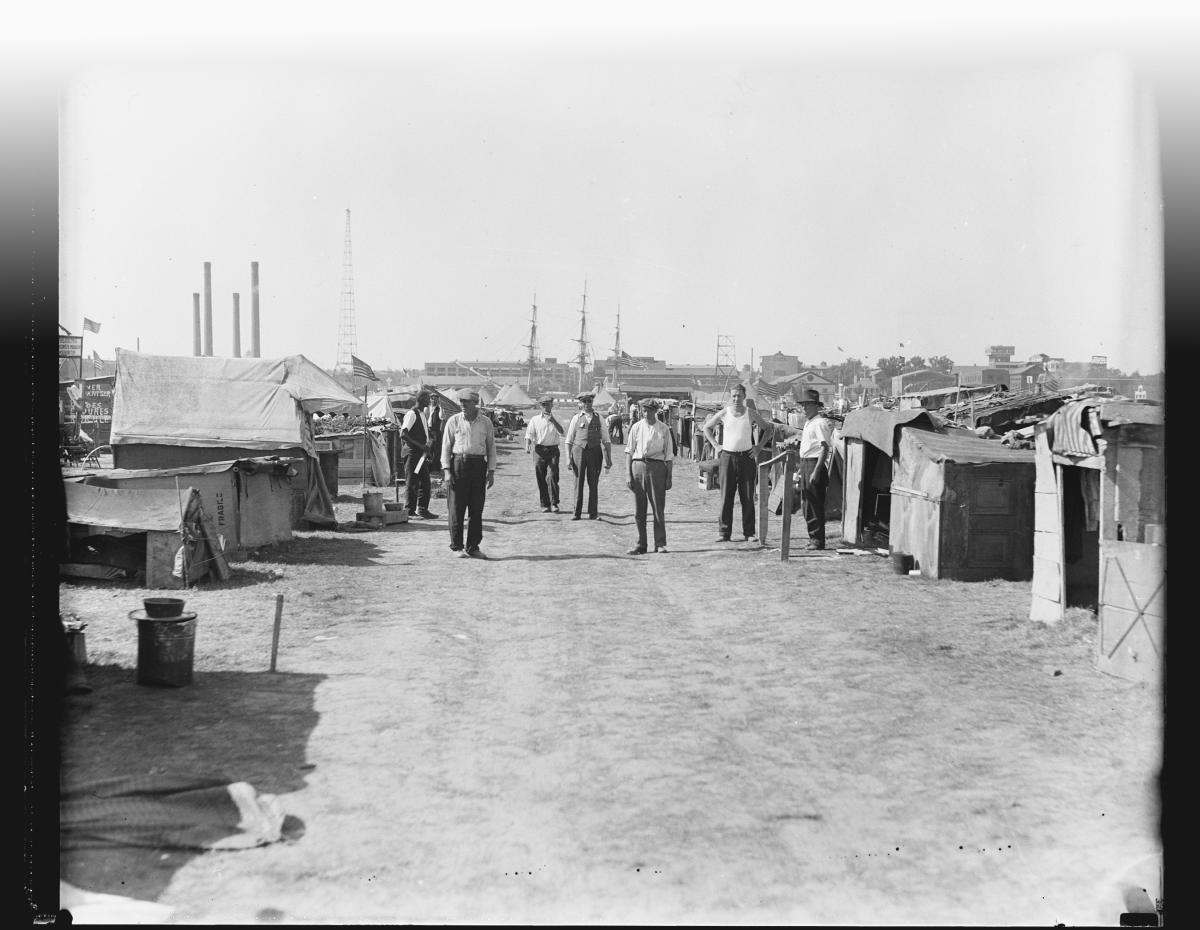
column 1132, row 595
column 999, row 524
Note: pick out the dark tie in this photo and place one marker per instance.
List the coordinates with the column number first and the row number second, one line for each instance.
column 556, row 426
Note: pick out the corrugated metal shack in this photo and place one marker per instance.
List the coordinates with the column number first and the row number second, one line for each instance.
column 1100, row 538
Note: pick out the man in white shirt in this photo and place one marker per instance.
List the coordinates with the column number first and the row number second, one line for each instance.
column 588, row 444
column 543, row 436
column 418, row 456
column 649, row 454
column 469, row 469
column 737, row 459
column 816, row 447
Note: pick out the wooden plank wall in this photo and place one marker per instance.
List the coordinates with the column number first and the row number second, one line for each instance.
column 1046, row 600
column 852, row 505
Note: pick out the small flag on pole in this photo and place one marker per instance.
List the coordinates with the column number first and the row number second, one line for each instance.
column 97, row 365
column 90, row 326
column 362, row 369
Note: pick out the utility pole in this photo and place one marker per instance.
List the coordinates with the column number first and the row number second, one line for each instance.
column 582, row 340
column 347, row 336
column 532, row 346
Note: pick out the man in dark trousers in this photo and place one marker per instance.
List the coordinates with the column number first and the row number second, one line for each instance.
column 737, row 459
column 469, row 469
column 544, row 435
column 588, row 444
column 418, row 454
column 816, row 451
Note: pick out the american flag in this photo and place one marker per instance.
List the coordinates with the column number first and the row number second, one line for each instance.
column 629, row 361
column 362, row 369
column 97, row 365
column 90, row 326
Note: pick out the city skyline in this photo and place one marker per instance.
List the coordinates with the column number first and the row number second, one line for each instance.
column 822, row 200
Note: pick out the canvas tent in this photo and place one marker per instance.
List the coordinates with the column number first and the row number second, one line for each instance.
column 603, row 400
column 870, row 436
column 249, row 501
column 171, row 411
column 513, row 395
column 962, row 506
column 160, row 538
column 1099, row 535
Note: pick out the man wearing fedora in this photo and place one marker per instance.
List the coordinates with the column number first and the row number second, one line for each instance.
column 469, row 469
column 737, row 459
column 816, row 448
column 543, row 436
column 588, row 444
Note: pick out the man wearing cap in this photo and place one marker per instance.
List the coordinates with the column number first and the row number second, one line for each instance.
column 737, row 459
column 649, row 453
column 816, row 445
column 588, row 444
column 543, row 435
column 468, row 468
column 418, row 454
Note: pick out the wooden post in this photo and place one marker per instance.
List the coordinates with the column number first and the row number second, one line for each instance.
column 275, row 634
column 789, row 469
column 764, row 473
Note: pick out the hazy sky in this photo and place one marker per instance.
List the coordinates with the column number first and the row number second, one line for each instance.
column 794, row 190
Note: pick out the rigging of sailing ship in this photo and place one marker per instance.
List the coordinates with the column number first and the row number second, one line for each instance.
column 582, row 340
column 532, row 346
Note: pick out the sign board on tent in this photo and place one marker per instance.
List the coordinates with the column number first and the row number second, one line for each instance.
column 70, row 346
column 97, row 408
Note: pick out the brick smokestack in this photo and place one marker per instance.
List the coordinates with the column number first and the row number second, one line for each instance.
column 255, row 347
column 237, row 325
column 208, row 348
column 196, row 323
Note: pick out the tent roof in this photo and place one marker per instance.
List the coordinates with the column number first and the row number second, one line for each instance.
column 513, row 395
column 126, row 509
column 880, row 427
column 964, row 449
column 248, row 403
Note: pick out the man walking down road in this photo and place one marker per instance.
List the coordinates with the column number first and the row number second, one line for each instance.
column 588, row 444
column 543, row 436
column 418, row 453
column 469, row 469
column 816, row 444
column 649, row 454
column 737, row 465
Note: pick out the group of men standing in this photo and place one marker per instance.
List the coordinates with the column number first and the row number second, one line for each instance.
column 466, row 450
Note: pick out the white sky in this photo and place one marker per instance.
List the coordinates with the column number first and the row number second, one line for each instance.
column 799, row 187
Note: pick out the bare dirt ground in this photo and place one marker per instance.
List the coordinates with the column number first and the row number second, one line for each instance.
column 565, row 734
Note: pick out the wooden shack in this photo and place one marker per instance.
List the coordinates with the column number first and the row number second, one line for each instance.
column 1100, row 538
column 962, row 506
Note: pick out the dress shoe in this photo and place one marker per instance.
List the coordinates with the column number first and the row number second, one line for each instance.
column 750, row 538
column 577, row 517
column 812, row 546
column 636, row 550
column 462, row 553
column 556, row 510
column 722, row 539
column 545, row 510
column 593, row 516
column 476, row 553
column 660, row 548
column 428, row 515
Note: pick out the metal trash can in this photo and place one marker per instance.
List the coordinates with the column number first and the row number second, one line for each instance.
column 166, row 648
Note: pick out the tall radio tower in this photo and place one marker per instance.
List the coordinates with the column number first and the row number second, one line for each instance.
column 726, row 367
column 532, row 346
column 347, row 336
column 582, row 340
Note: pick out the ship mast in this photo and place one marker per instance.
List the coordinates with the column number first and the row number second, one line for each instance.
column 532, row 346
column 582, row 340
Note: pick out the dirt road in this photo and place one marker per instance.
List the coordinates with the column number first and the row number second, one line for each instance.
column 567, row 734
